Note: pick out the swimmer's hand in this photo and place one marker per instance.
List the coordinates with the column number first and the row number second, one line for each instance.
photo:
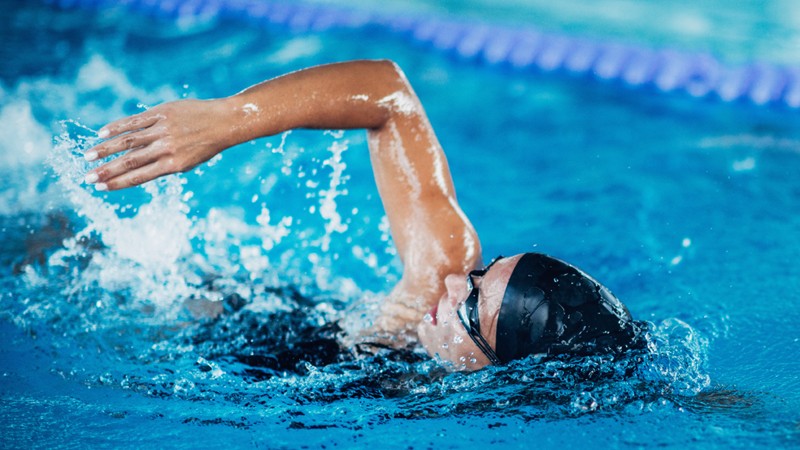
column 177, row 136
column 168, row 138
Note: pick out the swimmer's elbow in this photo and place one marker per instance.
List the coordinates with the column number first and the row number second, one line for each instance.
column 391, row 67
column 380, row 84
column 393, row 76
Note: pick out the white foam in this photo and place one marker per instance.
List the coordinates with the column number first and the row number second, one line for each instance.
column 25, row 142
column 272, row 235
column 144, row 253
column 24, row 145
column 97, row 77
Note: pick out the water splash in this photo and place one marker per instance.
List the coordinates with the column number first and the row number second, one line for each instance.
column 145, row 254
column 213, row 296
column 327, row 202
column 156, row 253
column 246, row 354
column 679, row 357
column 24, row 144
column 98, row 92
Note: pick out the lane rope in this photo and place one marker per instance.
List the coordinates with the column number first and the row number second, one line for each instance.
column 519, row 48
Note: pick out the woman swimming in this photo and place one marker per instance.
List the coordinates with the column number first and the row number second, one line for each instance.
column 470, row 317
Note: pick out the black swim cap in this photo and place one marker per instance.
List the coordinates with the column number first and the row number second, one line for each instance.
column 551, row 307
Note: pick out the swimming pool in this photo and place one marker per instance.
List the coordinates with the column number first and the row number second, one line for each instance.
column 683, row 207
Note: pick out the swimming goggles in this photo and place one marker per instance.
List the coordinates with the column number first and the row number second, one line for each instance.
column 469, row 315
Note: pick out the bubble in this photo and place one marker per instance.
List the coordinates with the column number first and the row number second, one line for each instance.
column 585, row 402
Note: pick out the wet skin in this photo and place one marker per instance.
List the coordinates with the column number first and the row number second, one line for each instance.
column 442, row 332
column 435, row 241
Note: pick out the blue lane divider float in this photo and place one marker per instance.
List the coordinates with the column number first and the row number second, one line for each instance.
column 698, row 75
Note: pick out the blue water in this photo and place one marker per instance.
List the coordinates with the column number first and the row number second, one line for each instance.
column 686, row 209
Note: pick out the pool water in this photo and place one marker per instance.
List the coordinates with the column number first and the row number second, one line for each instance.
column 685, row 208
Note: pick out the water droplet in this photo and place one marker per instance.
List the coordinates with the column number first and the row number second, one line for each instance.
column 473, row 361
column 427, row 318
column 458, row 339
column 445, row 345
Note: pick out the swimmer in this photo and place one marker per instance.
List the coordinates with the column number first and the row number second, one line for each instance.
column 462, row 313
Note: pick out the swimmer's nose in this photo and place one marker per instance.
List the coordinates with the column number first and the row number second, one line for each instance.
column 456, row 288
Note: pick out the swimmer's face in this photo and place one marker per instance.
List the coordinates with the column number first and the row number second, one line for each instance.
column 445, row 338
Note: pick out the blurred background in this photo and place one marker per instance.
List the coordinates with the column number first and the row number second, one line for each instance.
column 738, row 31
column 685, row 205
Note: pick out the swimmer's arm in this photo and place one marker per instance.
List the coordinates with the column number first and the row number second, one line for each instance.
column 177, row 136
column 432, row 234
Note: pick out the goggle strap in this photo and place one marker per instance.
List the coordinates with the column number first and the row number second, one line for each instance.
column 484, row 346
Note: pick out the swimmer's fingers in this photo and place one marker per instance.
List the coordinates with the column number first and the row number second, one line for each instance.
column 173, row 137
column 134, row 177
column 132, row 123
column 130, row 162
column 122, row 143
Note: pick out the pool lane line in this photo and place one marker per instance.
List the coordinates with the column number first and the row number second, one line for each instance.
column 520, row 48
